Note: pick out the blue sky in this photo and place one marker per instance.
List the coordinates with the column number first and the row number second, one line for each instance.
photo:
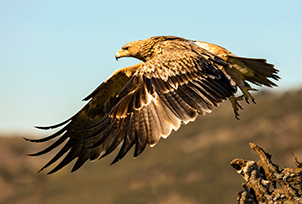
column 54, row 53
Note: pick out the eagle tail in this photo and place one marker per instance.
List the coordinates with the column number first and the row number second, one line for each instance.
column 262, row 70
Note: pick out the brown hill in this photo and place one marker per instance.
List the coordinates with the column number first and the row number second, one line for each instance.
column 192, row 166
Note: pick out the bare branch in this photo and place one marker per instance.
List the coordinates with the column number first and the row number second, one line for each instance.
column 265, row 183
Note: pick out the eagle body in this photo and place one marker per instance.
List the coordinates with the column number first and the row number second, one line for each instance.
column 177, row 80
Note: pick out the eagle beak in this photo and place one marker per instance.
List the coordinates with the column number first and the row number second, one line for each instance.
column 118, row 55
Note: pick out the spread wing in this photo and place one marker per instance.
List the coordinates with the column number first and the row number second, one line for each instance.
column 170, row 89
column 102, row 100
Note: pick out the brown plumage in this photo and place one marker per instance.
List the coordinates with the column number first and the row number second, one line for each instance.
column 137, row 105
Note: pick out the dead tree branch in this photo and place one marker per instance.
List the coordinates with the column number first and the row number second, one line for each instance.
column 265, row 183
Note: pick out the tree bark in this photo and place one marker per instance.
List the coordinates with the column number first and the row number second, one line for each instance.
column 265, row 183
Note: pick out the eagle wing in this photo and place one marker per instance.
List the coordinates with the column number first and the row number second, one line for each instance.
column 102, row 100
column 173, row 87
column 170, row 89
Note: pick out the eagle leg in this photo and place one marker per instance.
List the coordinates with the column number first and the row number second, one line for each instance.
column 236, row 106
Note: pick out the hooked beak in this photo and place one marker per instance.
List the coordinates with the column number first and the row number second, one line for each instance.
column 118, row 55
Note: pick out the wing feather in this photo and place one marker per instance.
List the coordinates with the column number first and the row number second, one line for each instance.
column 194, row 98
column 85, row 155
column 140, row 140
column 128, row 141
column 65, row 149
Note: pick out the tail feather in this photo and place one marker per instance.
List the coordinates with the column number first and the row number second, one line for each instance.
column 262, row 70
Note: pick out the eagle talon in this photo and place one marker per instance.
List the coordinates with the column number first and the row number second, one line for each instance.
column 236, row 115
column 247, row 95
column 247, row 100
column 236, row 106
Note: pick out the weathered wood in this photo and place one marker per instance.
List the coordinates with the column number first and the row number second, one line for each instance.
column 265, row 183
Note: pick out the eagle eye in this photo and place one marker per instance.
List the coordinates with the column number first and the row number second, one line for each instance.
column 126, row 47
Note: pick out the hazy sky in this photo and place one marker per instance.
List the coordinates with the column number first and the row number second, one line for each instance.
column 54, row 53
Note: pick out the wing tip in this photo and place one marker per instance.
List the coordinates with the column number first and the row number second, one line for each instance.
column 34, row 140
column 43, row 127
column 115, row 161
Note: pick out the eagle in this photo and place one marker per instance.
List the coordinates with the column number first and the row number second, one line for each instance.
column 176, row 80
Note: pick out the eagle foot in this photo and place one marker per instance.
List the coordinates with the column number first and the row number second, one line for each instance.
column 236, row 106
column 247, row 95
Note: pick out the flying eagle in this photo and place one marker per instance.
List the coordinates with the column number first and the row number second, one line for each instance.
column 177, row 80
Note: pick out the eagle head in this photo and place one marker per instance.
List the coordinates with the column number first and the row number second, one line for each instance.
column 137, row 49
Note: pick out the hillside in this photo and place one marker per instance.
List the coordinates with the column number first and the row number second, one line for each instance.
column 191, row 166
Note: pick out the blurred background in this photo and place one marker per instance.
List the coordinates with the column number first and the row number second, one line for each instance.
column 54, row 53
